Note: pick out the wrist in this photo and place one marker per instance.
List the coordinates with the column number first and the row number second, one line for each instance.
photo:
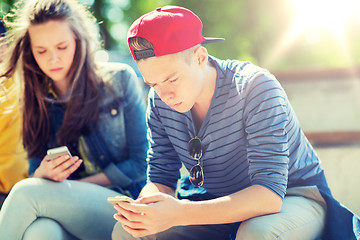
column 37, row 173
column 184, row 213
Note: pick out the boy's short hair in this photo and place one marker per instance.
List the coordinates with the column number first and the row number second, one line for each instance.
column 170, row 29
column 139, row 43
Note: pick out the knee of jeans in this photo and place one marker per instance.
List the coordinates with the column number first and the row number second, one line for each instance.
column 251, row 229
column 24, row 187
column 117, row 231
column 28, row 186
column 44, row 229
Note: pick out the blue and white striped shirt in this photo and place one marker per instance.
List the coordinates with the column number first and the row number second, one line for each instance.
column 249, row 136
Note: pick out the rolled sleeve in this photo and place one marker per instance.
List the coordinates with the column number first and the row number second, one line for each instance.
column 116, row 176
column 265, row 119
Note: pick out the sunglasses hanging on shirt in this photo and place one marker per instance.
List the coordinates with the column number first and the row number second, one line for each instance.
column 196, row 172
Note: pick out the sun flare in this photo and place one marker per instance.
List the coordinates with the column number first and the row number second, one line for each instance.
column 312, row 18
column 331, row 15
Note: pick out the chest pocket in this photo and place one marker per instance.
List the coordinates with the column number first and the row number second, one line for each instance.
column 112, row 128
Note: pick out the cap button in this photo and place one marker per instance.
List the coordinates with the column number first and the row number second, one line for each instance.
column 158, row 9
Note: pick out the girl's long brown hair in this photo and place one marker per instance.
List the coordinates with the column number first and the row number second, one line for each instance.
column 82, row 113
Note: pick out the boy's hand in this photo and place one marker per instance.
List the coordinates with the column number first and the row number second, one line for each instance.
column 149, row 214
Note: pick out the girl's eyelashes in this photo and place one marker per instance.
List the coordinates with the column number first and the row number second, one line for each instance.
column 62, row 48
column 59, row 48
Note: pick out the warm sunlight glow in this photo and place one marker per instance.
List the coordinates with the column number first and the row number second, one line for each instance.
column 312, row 18
column 331, row 15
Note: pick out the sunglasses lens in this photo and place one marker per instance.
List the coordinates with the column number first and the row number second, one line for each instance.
column 196, row 176
column 194, row 148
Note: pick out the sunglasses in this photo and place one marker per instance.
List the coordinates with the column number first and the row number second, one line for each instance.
column 196, row 172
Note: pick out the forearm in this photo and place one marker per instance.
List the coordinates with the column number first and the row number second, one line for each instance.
column 248, row 203
column 151, row 188
column 99, row 179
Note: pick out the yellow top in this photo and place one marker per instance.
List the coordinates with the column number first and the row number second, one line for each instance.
column 13, row 160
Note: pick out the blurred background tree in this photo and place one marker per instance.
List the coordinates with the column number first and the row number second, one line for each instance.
column 276, row 34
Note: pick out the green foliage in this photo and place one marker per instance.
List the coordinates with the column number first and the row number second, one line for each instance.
column 255, row 30
column 5, row 6
column 259, row 31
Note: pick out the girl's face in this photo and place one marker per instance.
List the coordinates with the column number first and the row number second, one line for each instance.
column 53, row 46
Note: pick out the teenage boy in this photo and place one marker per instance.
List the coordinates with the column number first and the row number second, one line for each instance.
column 231, row 125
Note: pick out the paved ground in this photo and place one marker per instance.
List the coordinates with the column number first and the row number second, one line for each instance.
column 342, row 167
column 330, row 101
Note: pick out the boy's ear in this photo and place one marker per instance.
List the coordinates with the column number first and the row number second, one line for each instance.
column 201, row 56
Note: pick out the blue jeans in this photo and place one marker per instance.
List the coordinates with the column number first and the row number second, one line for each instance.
column 42, row 209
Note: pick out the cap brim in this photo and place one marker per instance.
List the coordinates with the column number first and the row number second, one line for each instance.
column 212, row 40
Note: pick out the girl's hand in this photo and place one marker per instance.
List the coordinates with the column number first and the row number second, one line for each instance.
column 57, row 169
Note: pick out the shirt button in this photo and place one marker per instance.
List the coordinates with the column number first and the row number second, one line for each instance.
column 101, row 157
column 113, row 111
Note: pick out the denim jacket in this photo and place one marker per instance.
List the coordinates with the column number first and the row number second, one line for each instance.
column 118, row 143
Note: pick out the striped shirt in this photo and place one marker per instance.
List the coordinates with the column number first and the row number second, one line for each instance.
column 249, row 136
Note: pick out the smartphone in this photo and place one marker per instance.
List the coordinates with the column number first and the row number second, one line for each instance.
column 115, row 200
column 57, row 152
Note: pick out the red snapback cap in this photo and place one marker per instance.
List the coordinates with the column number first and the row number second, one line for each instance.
column 170, row 29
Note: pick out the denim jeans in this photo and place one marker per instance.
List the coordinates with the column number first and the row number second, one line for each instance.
column 42, row 209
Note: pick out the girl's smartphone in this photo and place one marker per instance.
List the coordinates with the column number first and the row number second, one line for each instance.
column 57, row 152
